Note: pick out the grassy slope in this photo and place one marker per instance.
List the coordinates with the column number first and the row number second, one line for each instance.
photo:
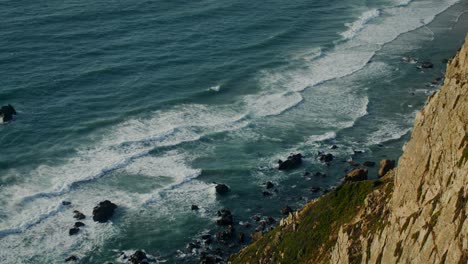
column 316, row 231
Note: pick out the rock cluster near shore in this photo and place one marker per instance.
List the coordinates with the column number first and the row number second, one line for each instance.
column 415, row 213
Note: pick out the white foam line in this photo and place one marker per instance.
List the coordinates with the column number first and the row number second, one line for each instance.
column 355, row 27
column 26, row 225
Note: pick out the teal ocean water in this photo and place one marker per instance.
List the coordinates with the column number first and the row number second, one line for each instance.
column 148, row 103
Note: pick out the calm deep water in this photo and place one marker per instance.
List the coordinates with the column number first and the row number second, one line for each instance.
column 148, row 103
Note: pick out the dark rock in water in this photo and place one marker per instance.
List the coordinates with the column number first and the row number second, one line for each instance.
column 241, row 237
column 209, row 259
column 265, row 193
column 73, row 231
column 306, row 173
column 225, row 235
column 66, row 203
column 319, row 174
column 286, row 210
column 71, row 258
column 356, row 152
column 368, row 163
column 222, row 188
column 6, row 113
column 191, row 246
column 269, row 185
column 315, row 189
column 138, row 257
column 270, row 220
column 78, row 215
column 386, row 166
column 427, row 65
column 326, row 157
column 207, row 239
column 225, row 219
column 256, row 218
column 103, row 211
column 293, row 161
column 334, row 147
column 444, row 61
column 79, row 224
column 353, row 163
column 356, row 175
column 195, row 207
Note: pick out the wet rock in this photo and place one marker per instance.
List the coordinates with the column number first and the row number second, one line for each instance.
column 326, row 157
column 286, row 210
column 293, row 161
column 207, row 239
column 352, row 163
column 270, row 220
column 138, row 257
column 66, row 203
column 319, row 174
column 306, row 173
column 226, row 235
column 357, row 152
column 265, row 193
column 78, row 215
column 315, row 189
column 103, row 211
column 191, row 246
column 195, row 207
column 269, row 185
column 334, row 147
column 385, row 166
column 6, row 113
column 427, row 65
column 79, row 224
column 222, row 189
column 357, row 174
column 226, row 218
column 71, row 258
column 368, row 163
column 256, row 218
column 73, row 231
column 209, row 259
column 241, row 237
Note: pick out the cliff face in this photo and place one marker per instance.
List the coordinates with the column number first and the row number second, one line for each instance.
column 415, row 214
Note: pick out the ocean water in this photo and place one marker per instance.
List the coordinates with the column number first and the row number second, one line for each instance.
column 148, row 103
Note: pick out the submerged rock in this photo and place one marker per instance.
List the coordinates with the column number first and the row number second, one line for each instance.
column 78, row 215
column 66, row 203
column 103, row 211
column 293, row 161
column 71, row 258
column 269, row 185
column 357, row 174
column 386, row 166
column 73, row 231
column 427, row 65
column 326, row 157
column 195, row 207
column 222, row 188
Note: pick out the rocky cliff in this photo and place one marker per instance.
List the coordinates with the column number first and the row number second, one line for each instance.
column 416, row 213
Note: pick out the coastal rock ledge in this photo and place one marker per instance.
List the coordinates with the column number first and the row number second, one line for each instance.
column 416, row 214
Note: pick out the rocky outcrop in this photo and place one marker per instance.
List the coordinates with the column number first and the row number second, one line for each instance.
column 293, row 161
column 104, row 211
column 357, row 174
column 415, row 213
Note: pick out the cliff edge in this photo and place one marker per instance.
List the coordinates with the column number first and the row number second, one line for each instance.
column 416, row 213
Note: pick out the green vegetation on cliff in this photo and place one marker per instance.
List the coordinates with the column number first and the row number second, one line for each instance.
column 310, row 237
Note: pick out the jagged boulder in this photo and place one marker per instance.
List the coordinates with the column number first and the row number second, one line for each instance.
column 357, row 174
column 138, row 257
column 293, row 161
column 225, row 218
column 326, row 157
column 386, row 166
column 222, row 189
column 78, row 215
column 104, row 211
column 6, row 113
column 286, row 210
